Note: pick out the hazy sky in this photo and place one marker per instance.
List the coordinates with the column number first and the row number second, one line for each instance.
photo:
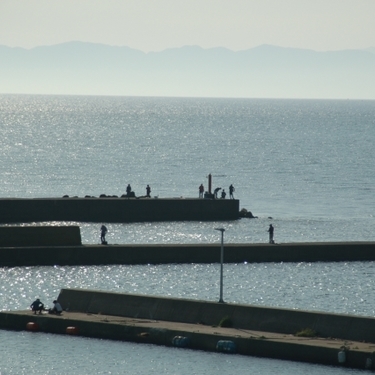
column 154, row 25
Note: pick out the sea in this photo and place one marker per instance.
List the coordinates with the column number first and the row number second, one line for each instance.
column 305, row 166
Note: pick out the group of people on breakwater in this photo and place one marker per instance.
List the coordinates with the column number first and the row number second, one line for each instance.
column 38, row 307
column 129, row 194
column 202, row 193
column 216, row 192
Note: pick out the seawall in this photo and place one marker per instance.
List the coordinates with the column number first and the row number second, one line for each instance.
column 341, row 340
column 31, row 236
column 186, row 253
column 116, row 210
column 287, row 321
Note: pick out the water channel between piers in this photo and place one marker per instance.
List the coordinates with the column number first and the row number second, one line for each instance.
column 338, row 339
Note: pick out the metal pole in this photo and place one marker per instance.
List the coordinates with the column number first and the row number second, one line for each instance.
column 222, row 230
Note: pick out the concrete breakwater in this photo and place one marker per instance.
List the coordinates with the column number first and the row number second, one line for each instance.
column 188, row 253
column 277, row 320
column 344, row 340
column 21, row 236
column 116, row 210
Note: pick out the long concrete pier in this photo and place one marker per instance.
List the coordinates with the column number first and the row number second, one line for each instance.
column 185, row 253
column 61, row 245
column 335, row 339
column 116, row 210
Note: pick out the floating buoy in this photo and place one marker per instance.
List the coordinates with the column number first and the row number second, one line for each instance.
column 226, row 346
column 72, row 330
column 180, row 341
column 341, row 356
column 32, row 326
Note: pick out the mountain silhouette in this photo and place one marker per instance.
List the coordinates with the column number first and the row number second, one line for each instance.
column 79, row 68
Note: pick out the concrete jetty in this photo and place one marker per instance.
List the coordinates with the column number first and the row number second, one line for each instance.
column 116, row 209
column 82, row 255
column 340, row 340
column 39, row 236
column 61, row 245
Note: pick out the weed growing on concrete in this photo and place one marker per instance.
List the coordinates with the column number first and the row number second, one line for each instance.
column 307, row 332
column 226, row 322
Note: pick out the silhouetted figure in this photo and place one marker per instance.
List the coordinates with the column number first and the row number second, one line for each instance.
column 148, row 191
column 128, row 190
column 270, row 231
column 201, row 191
column 37, row 306
column 103, row 232
column 56, row 309
column 216, row 191
column 231, row 190
column 223, row 194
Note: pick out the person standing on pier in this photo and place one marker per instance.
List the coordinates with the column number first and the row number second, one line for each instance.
column 148, row 191
column 270, row 231
column 201, row 191
column 231, row 190
column 128, row 190
column 103, row 232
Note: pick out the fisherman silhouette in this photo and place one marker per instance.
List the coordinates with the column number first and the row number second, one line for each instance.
column 103, row 232
column 201, row 191
column 216, row 191
column 231, row 190
column 270, row 231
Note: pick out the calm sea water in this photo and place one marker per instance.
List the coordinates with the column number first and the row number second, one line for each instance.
column 307, row 164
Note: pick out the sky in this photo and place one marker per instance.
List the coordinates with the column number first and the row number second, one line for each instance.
column 156, row 25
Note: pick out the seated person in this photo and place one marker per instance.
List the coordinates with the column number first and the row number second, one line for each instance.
column 37, row 306
column 56, row 309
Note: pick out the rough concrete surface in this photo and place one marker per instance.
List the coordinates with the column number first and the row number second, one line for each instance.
column 202, row 337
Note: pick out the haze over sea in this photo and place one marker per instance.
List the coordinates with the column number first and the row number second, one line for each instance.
column 308, row 164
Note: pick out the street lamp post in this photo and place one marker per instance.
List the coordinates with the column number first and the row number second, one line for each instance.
column 222, row 230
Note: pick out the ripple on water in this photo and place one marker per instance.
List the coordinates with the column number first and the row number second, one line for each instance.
column 333, row 287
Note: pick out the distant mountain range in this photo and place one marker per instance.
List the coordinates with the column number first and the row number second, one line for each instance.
column 79, row 68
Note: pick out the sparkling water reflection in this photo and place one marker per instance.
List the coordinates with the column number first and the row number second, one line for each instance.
column 306, row 163
column 311, row 286
column 316, row 286
column 36, row 353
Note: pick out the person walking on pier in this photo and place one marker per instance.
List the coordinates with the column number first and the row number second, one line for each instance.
column 148, row 191
column 231, row 190
column 270, row 231
column 103, row 232
column 201, row 191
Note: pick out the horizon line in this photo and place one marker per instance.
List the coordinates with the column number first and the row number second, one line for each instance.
column 369, row 49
